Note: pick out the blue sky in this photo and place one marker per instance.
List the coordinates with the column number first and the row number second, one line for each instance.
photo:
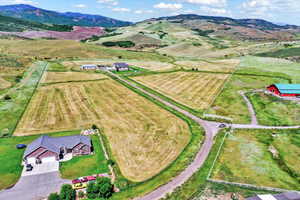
column 279, row 11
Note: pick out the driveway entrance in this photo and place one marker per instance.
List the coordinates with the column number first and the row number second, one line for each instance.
column 43, row 168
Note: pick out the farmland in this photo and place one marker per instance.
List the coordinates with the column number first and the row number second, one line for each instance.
column 274, row 111
column 196, row 90
column 11, row 110
column 231, row 104
column 143, row 137
column 57, row 77
column 213, row 66
column 148, row 65
column 260, row 157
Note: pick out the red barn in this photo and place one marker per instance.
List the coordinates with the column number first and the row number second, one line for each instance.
column 287, row 90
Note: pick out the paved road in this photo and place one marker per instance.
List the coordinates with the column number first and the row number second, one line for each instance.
column 250, row 108
column 35, row 187
column 211, row 129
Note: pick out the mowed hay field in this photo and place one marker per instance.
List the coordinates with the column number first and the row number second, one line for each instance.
column 54, row 77
column 149, row 65
column 214, row 66
column 197, row 90
column 4, row 84
column 144, row 138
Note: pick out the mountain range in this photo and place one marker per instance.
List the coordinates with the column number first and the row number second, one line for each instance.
column 31, row 13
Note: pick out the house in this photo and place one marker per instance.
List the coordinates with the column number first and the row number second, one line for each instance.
column 121, row 67
column 282, row 196
column 291, row 90
column 48, row 149
column 89, row 67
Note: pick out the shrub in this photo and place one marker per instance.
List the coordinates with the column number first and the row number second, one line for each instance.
column 7, row 97
column 53, row 196
column 67, row 192
column 101, row 189
column 81, row 194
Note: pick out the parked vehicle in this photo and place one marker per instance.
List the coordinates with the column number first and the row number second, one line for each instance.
column 76, row 181
column 79, row 186
column 29, row 167
column 21, row 146
column 83, row 179
column 222, row 126
column 91, row 178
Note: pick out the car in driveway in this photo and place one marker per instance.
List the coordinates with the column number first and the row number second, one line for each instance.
column 29, row 167
column 21, row 146
column 79, row 186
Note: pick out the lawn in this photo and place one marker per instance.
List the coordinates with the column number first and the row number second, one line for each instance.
column 231, row 104
column 261, row 157
column 274, row 111
column 86, row 165
column 11, row 158
column 144, row 138
column 56, row 67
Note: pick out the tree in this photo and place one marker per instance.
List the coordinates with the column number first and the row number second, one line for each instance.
column 81, row 194
column 67, row 192
column 53, row 196
column 101, row 189
column 94, row 127
column 7, row 98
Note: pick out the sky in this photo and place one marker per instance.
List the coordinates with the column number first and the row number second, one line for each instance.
column 278, row 11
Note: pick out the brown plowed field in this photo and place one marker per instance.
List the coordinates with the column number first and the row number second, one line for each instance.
column 144, row 138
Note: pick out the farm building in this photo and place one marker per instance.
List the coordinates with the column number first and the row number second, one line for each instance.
column 107, row 67
column 285, row 89
column 49, row 149
column 89, row 67
column 282, row 196
column 121, row 67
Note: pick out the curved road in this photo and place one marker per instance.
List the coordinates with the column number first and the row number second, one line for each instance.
column 211, row 129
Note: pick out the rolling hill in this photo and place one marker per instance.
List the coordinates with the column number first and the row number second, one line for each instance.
column 237, row 29
column 31, row 13
column 10, row 24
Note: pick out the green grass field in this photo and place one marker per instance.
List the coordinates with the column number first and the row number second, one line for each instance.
column 11, row 158
column 85, row 165
column 231, row 104
column 12, row 110
column 270, row 66
column 274, row 111
column 282, row 53
column 260, row 157
column 56, row 67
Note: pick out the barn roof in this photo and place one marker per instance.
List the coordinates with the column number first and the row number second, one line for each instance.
column 288, row 88
column 282, row 196
column 54, row 144
column 121, row 65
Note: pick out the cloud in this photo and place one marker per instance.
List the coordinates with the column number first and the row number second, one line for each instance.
column 270, row 8
column 121, row 10
column 139, row 12
column 6, row 2
column 80, row 6
column 168, row 6
column 215, row 11
column 109, row 2
column 214, row 3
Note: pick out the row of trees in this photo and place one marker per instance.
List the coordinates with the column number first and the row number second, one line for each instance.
column 123, row 44
column 101, row 188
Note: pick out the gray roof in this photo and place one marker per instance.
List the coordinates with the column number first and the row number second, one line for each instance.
column 121, row 65
column 54, row 144
column 282, row 196
column 288, row 196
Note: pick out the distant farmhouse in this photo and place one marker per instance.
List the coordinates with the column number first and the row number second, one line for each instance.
column 49, row 149
column 283, row 196
column 89, row 67
column 287, row 90
column 119, row 67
